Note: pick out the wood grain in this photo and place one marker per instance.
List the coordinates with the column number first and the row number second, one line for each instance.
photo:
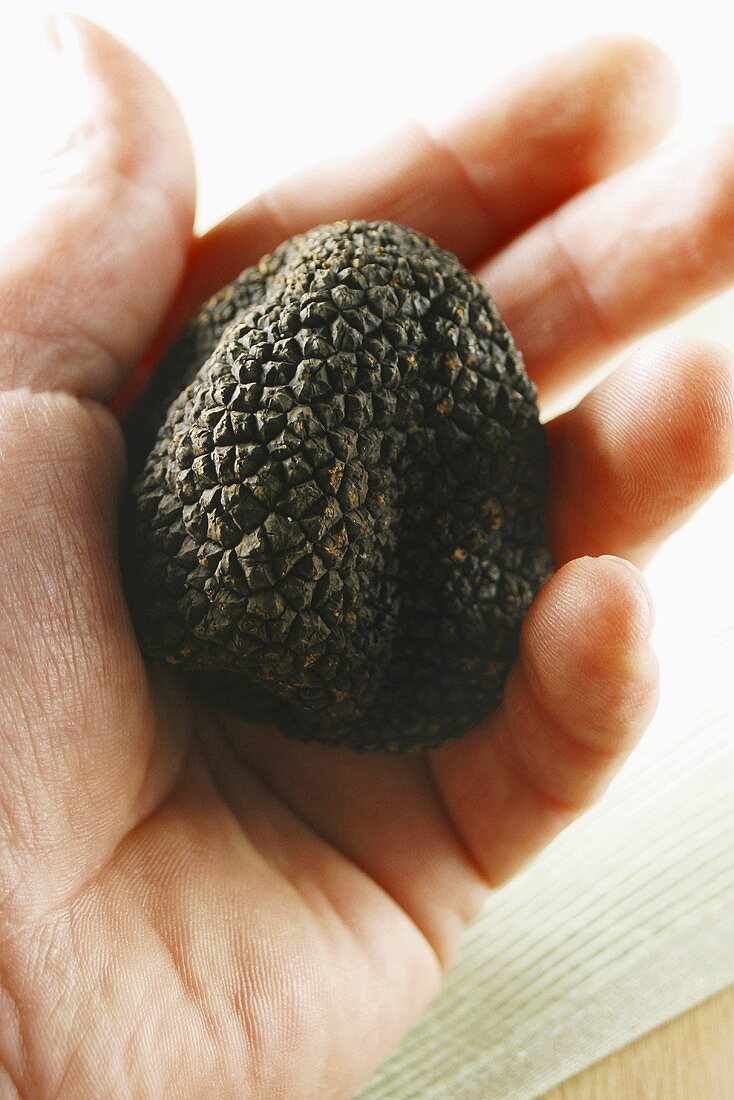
column 688, row 1058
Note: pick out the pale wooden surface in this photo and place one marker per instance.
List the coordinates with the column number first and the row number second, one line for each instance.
column 689, row 1058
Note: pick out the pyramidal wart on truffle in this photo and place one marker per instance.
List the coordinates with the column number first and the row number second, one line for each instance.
column 336, row 514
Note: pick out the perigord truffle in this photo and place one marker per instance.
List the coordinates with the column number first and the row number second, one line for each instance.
column 336, row 515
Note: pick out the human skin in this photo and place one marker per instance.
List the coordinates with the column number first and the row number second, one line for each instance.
column 178, row 918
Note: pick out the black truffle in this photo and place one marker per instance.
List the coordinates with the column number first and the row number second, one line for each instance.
column 336, row 516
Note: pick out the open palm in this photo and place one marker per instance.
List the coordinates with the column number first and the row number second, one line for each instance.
column 181, row 917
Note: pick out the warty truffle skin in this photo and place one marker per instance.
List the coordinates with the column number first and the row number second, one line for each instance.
column 336, row 515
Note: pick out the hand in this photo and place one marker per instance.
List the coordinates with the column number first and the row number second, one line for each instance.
column 178, row 921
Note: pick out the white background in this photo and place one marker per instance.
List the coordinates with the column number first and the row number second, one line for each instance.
column 270, row 86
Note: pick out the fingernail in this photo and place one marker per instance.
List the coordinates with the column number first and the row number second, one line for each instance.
column 61, row 35
column 641, row 585
column 50, row 31
column 75, row 88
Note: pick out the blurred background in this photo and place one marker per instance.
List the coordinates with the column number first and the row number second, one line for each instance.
column 271, row 87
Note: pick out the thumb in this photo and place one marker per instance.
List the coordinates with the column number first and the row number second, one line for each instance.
column 87, row 278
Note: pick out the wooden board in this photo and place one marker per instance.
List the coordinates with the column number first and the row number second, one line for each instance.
column 687, row 1058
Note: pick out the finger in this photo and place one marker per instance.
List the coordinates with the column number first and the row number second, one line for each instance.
column 629, row 254
column 583, row 689
column 515, row 155
column 642, row 451
column 84, row 289
column 82, row 761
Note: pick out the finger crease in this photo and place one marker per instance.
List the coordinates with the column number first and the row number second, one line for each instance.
column 273, row 209
column 443, row 149
column 520, row 771
column 468, row 856
column 596, row 753
column 574, row 277
column 630, row 518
